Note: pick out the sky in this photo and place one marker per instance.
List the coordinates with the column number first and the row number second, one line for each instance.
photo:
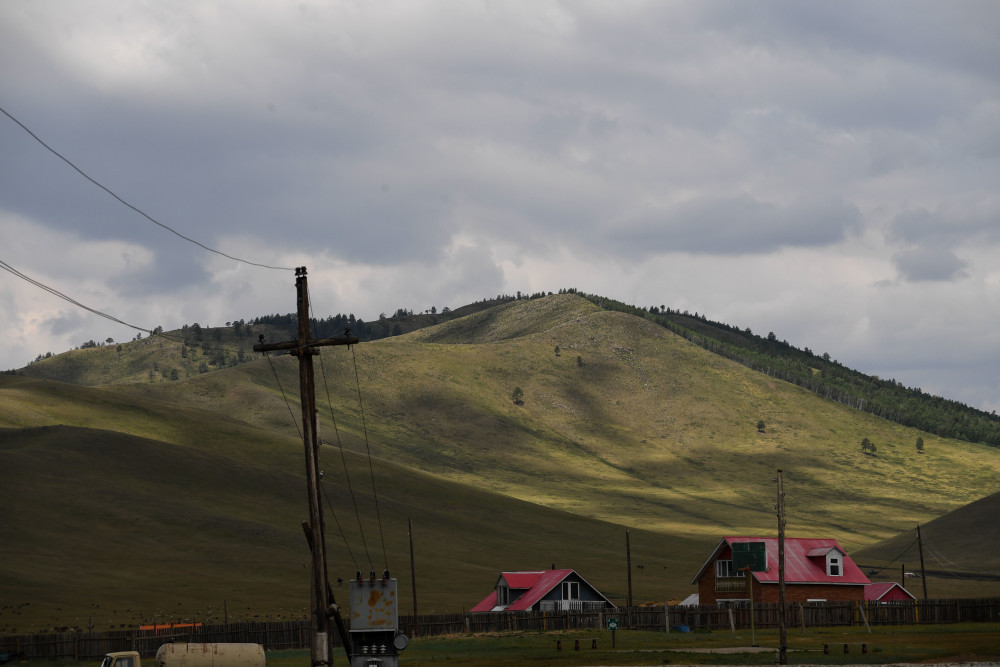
column 827, row 171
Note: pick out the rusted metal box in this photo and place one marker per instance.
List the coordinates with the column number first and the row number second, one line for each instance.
column 374, row 623
column 374, row 605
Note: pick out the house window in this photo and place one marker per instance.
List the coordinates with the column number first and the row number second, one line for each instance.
column 503, row 596
column 571, row 590
column 724, row 568
column 833, row 565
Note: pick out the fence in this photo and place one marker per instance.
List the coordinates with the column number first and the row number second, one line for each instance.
column 279, row 635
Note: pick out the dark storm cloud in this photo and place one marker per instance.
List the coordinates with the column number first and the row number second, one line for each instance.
column 929, row 263
column 416, row 154
column 735, row 225
column 931, row 239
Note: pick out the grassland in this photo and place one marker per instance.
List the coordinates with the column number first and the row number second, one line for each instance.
column 961, row 643
column 145, row 495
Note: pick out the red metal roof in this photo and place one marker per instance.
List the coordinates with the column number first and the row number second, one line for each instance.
column 488, row 603
column 805, row 561
column 884, row 591
column 532, row 585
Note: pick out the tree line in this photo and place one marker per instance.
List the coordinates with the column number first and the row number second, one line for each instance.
column 824, row 376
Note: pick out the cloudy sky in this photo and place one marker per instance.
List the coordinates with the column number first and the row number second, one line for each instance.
column 827, row 171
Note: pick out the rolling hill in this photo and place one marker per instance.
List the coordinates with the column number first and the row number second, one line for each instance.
column 623, row 424
column 958, row 548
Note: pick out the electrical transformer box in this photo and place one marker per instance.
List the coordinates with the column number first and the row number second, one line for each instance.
column 374, row 623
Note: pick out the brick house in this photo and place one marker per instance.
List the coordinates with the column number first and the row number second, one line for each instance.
column 815, row 570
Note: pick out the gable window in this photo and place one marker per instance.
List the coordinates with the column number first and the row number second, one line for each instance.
column 834, row 567
column 571, row 590
column 503, row 596
column 724, row 568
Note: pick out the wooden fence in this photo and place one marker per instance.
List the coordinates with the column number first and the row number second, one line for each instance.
column 279, row 635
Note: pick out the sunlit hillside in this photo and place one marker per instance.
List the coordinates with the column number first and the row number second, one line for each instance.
column 618, row 423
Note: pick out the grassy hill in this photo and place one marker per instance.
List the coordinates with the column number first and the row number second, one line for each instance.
column 623, row 424
column 959, row 548
column 106, row 528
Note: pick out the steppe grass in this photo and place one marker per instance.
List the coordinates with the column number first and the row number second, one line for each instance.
column 963, row 643
column 628, row 426
column 966, row 642
column 106, row 529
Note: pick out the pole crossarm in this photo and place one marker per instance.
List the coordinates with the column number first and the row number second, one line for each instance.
column 296, row 348
column 305, row 347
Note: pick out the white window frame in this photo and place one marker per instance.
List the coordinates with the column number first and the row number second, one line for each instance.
column 724, row 568
column 571, row 590
column 834, row 561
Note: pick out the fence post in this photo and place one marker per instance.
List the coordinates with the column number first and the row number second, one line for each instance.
column 863, row 616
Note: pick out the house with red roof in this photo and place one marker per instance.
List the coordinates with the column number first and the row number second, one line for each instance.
column 544, row 590
column 815, row 570
column 887, row 591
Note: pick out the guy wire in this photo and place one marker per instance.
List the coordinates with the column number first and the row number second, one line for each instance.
column 339, row 528
column 282, row 390
column 299, row 431
column 343, row 458
column 371, row 469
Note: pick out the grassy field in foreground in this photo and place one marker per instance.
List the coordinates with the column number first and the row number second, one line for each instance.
column 939, row 643
column 899, row 644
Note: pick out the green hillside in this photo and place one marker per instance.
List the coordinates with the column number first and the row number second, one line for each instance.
column 821, row 374
column 105, row 528
column 623, row 424
column 961, row 548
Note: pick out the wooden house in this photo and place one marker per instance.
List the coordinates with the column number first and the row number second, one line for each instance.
column 544, row 590
column 887, row 591
column 815, row 570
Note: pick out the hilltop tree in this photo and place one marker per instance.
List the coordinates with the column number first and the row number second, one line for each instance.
column 868, row 447
column 557, row 350
column 920, row 445
column 760, row 425
column 517, row 396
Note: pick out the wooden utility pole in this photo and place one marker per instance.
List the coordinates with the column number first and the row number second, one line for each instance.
column 628, row 564
column 782, row 632
column 923, row 574
column 323, row 604
column 413, row 579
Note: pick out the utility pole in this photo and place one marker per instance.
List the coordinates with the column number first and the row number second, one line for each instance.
column 413, row 579
column 923, row 575
column 782, row 633
column 323, row 604
column 628, row 564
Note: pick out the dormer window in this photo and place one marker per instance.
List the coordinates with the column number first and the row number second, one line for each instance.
column 834, row 566
column 503, row 596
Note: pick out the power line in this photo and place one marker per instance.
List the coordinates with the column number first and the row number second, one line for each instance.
column 364, row 426
column 343, row 459
column 51, row 290
column 133, row 207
